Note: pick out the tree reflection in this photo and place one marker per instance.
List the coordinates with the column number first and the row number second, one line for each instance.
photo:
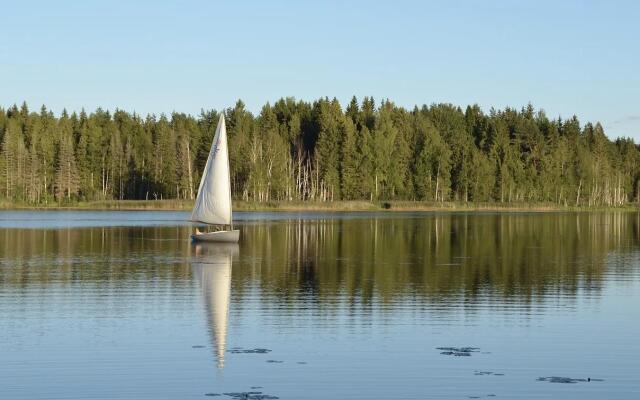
column 434, row 258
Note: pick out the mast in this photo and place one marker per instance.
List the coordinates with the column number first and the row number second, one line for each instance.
column 228, row 179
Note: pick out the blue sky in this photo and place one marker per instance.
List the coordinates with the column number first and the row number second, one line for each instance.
column 567, row 57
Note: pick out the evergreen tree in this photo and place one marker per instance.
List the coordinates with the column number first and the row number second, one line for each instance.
column 66, row 181
column 327, row 151
column 431, row 168
column 240, row 130
column 366, row 157
column 349, row 162
column 14, row 157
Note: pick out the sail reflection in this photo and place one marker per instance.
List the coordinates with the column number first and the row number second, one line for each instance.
column 212, row 267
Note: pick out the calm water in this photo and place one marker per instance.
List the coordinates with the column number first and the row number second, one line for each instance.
column 120, row 305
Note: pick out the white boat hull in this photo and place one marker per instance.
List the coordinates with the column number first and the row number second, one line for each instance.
column 218, row 236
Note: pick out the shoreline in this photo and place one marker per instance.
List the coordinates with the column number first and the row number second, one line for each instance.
column 335, row 206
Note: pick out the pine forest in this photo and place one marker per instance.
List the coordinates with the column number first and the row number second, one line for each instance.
column 320, row 151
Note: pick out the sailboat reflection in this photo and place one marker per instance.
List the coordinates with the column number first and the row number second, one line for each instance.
column 212, row 267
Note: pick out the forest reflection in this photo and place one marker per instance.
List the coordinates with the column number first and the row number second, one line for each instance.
column 429, row 257
column 520, row 255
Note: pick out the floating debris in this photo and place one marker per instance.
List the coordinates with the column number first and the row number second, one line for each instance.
column 198, row 346
column 487, row 373
column 275, row 361
column 491, row 395
column 458, row 351
column 240, row 350
column 251, row 396
column 301, row 362
column 212, row 394
column 256, row 387
column 562, row 379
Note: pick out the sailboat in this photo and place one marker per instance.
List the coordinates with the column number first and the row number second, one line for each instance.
column 212, row 267
column 213, row 203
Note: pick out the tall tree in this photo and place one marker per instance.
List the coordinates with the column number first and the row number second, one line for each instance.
column 349, row 161
column 66, row 181
column 327, row 151
column 14, row 157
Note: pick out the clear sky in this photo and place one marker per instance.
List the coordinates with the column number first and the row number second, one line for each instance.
column 567, row 57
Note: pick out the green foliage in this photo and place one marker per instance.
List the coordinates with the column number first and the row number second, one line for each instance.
column 299, row 151
column 432, row 163
column 327, row 151
column 349, row 161
column 66, row 182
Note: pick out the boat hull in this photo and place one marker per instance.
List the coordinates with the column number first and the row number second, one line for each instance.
column 218, row 236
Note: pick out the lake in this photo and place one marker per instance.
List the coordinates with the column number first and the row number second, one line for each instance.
column 120, row 305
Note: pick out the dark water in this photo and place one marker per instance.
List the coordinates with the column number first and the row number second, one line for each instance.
column 117, row 305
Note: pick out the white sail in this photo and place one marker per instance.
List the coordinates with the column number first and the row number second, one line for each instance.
column 212, row 267
column 213, row 203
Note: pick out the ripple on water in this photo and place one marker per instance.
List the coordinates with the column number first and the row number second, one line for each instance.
column 458, row 351
column 240, row 350
column 250, row 396
column 562, row 379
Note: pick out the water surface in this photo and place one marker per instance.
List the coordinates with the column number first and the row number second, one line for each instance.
column 120, row 305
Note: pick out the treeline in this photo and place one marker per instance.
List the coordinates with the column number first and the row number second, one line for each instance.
column 295, row 150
